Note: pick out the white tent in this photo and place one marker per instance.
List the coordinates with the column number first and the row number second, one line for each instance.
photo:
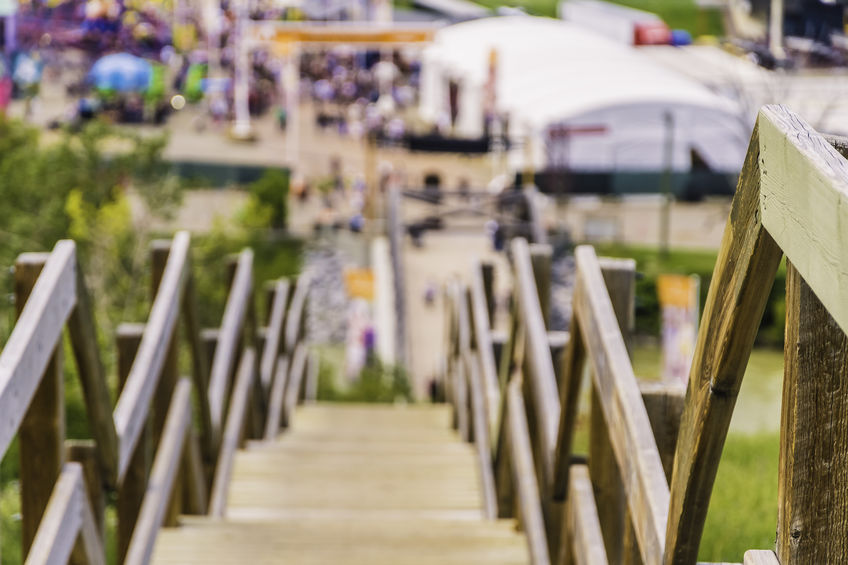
column 581, row 99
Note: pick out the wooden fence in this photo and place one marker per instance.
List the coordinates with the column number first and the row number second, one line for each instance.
column 642, row 493
column 245, row 381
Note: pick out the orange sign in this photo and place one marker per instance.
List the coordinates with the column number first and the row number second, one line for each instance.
column 360, row 283
column 364, row 33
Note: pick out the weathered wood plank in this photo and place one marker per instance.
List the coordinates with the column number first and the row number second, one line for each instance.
column 463, row 394
column 760, row 557
column 132, row 409
column 200, row 363
column 295, row 315
column 582, row 525
column 812, row 523
column 67, row 516
column 162, row 477
column 632, row 440
column 744, row 273
column 35, row 337
column 540, row 370
column 98, row 402
column 134, row 484
column 232, row 326
column 274, row 334
column 482, row 442
column 481, row 322
column 541, row 257
column 194, row 485
column 232, row 433
column 42, row 432
column 297, row 367
column 276, row 398
column 803, row 195
column 572, row 374
column 524, row 475
column 159, row 253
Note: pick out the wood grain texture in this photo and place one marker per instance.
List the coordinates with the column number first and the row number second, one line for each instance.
column 482, row 443
column 159, row 253
column 586, row 544
column 803, row 196
column 539, row 371
column 812, row 524
column 132, row 488
column 200, row 363
column 353, row 484
column 132, row 408
column 573, row 361
column 481, row 322
column 229, row 336
column 35, row 336
column 67, row 517
column 739, row 288
column 98, row 402
column 524, row 475
column 42, row 431
column 162, row 477
column 630, row 431
column 233, row 432
column 274, row 333
column 297, row 367
column 276, row 398
column 295, row 315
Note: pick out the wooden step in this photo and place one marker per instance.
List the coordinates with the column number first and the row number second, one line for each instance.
column 352, row 484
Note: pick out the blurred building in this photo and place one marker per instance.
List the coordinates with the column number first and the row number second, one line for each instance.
column 814, row 19
column 573, row 101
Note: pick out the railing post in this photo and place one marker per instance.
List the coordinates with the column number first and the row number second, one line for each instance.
column 84, row 452
column 541, row 257
column 131, row 490
column 168, row 380
column 488, row 272
column 812, row 525
column 42, row 432
column 619, row 277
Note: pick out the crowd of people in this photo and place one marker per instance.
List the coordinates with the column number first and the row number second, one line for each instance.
column 361, row 93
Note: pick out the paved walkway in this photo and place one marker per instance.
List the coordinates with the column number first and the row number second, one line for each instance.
column 356, row 485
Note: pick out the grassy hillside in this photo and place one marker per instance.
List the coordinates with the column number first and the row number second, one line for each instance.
column 678, row 14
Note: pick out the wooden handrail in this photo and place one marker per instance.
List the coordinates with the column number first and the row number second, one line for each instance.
column 586, row 541
column 524, row 475
column 294, row 318
column 163, row 476
column 51, row 295
column 233, row 432
column 541, row 375
column 68, row 517
column 631, row 436
column 34, row 338
column 98, row 403
column 274, row 335
column 232, row 324
column 131, row 410
column 483, row 344
column 277, row 398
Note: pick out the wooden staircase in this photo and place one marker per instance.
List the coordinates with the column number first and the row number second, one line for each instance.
column 352, row 484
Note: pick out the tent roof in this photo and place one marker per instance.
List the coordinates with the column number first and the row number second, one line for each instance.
column 550, row 70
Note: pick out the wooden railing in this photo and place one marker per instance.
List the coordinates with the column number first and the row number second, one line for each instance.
column 644, row 495
column 242, row 383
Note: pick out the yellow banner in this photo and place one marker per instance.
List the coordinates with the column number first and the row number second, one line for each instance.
column 360, row 283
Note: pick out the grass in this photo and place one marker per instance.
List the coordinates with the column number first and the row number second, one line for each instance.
column 743, row 508
column 678, row 14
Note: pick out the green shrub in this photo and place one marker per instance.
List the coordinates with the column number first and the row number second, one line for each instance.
column 269, row 197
